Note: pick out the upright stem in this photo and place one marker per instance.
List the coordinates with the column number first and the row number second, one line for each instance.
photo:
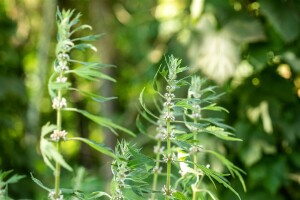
column 57, row 166
column 169, row 164
column 194, row 186
column 155, row 177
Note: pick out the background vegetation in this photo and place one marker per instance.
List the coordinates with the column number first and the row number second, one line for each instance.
column 251, row 49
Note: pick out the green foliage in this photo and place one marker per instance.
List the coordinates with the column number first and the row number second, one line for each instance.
column 180, row 122
column 5, row 181
column 250, row 48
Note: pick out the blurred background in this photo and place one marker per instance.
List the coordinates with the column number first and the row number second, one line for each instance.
column 250, row 49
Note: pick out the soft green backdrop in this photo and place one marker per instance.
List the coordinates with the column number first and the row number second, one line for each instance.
column 251, row 49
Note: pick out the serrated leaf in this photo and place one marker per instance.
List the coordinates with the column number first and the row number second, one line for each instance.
column 97, row 146
column 101, row 121
column 49, row 151
column 39, row 183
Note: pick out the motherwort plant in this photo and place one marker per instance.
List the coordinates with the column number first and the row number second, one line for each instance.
column 178, row 172
column 53, row 135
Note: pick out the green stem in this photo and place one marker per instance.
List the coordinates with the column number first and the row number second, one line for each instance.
column 155, row 177
column 194, row 186
column 57, row 165
column 169, row 164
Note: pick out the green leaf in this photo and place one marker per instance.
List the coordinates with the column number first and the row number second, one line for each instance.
column 93, row 96
column 144, row 106
column 82, row 27
column 39, row 183
column 99, row 147
column 88, row 38
column 49, row 151
column 234, row 170
column 91, row 72
column 96, row 195
column 212, row 175
column 178, row 195
column 59, row 86
column 101, row 121
column 215, row 108
column 220, row 133
column 84, row 46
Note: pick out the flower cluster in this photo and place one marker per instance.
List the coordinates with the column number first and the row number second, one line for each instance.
column 167, row 191
column 59, row 103
column 169, row 157
column 196, row 149
column 120, row 177
column 58, row 135
column 157, row 169
column 158, row 149
column 51, row 196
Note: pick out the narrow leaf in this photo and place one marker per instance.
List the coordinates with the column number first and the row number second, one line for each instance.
column 99, row 147
column 101, row 121
column 39, row 183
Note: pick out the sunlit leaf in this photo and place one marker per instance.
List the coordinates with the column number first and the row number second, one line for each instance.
column 234, row 170
column 101, row 121
column 49, row 151
column 99, row 147
column 178, row 195
column 221, row 133
column 93, row 96
column 91, row 72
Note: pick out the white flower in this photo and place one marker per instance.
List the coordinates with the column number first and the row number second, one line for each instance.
column 51, row 196
column 167, row 191
column 61, row 79
column 169, row 116
column 57, row 135
column 196, row 149
column 59, row 103
column 158, row 150
column 169, row 157
column 157, row 169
